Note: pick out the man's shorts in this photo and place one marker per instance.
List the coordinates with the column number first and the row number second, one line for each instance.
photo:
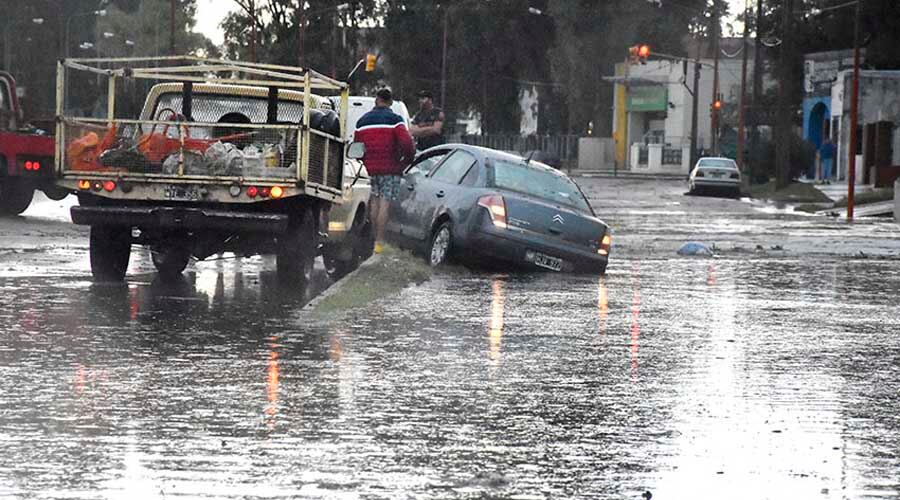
column 386, row 186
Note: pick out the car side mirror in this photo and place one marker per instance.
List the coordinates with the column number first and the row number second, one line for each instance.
column 356, row 150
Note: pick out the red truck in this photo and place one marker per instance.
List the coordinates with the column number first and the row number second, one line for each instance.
column 26, row 155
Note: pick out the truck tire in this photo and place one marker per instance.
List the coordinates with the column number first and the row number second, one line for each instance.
column 170, row 260
column 14, row 197
column 110, row 251
column 55, row 193
column 298, row 246
column 361, row 239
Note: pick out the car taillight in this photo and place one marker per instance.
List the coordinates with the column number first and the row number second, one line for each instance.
column 496, row 207
column 605, row 244
column 735, row 175
column 699, row 173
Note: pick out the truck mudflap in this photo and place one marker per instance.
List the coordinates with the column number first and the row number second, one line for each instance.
column 180, row 218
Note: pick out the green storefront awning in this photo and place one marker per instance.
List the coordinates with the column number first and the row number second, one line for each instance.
column 647, row 98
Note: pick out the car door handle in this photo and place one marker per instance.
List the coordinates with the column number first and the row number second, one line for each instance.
column 439, row 194
column 410, row 186
column 554, row 230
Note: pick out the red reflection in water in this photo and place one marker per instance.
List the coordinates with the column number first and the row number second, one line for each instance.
column 635, row 320
column 711, row 275
column 272, row 384
column 495, row 326
column 133, row 305
column 80, row 378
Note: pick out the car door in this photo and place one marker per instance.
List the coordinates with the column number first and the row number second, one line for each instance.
column 439, row 192
column 400, row 216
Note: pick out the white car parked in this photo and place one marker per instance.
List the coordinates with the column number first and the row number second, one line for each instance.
column 715, row 173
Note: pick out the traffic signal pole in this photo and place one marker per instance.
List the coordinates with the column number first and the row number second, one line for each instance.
column 854, row 116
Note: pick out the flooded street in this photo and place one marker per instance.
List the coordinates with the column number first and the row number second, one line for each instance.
column 769, row 371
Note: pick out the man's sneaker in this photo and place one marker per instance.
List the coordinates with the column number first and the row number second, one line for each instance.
column 378, row 248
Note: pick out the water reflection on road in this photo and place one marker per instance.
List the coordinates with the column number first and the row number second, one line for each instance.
column 688, row 378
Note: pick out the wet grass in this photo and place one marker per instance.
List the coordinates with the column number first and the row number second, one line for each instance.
column 382, row 276
column 797, row 192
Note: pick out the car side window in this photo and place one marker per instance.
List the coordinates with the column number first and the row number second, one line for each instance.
column 454, row 168
column 472, row 176
column 425, row 164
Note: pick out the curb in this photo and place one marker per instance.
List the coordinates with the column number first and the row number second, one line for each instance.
column 336, row 287
column 626, row 175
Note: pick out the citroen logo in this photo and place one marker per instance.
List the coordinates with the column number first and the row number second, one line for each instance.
column 558, row 219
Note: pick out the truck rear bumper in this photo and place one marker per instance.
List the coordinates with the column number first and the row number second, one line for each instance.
column 180, row 218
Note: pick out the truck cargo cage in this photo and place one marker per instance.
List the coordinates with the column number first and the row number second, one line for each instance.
column 171, row 120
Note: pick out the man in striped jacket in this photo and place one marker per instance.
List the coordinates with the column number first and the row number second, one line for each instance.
column 389, row 149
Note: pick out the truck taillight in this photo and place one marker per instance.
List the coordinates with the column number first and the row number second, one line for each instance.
column 252, row 191
column 32, row 165
column 109, row 186
column 496, row 207
column 276, row 192
column 264, row 192
column 84, row 184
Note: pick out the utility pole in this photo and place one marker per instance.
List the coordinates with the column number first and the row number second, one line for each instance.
column 757, row 88
column 854, row 115
column 301, row 33
column 694, row 101
column 172, row 28
column 444, row 64
column 714, row 122
column 743, row 103
column 783, row 130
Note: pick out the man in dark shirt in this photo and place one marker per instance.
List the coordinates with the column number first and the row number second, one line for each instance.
column 428, row 124
column 826, row 157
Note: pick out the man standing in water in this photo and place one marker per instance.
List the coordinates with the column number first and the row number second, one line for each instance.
column 389, row 148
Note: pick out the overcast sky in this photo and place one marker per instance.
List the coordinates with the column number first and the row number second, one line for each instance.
column 211, row 12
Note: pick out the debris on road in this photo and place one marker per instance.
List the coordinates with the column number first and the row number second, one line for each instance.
column 695, row 249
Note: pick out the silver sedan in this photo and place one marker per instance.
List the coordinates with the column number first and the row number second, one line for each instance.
column 713, row 173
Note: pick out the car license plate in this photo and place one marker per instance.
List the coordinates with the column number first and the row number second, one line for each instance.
column 182, row 192
column 716, row 174
column 547, row 262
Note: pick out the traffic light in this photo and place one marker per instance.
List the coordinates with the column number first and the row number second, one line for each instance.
column 638, row 54
column 643, row 53
column 370, row 62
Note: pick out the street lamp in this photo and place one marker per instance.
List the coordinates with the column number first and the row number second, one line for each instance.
column 6, row 32
column 101, row 13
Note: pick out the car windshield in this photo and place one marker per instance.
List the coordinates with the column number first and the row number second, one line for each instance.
column 717, row 163
column 544, row 184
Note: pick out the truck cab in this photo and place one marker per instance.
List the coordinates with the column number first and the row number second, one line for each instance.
column 26, row 155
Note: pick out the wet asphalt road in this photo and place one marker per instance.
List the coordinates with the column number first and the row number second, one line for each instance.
column 770, row 371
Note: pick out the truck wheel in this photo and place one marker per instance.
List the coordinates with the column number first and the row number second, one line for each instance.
column 170, row 261
column 110, row 250
column 297, row 247
column 55, row 193
column 14, row 197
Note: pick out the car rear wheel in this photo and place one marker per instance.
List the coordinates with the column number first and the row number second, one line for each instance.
column 297, row 247
column 439, row 249
column 109, row 252
column 14, row 197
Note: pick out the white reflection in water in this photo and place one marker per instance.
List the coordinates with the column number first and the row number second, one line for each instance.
column 495, row 326
column 742, row 431
column 602, row 304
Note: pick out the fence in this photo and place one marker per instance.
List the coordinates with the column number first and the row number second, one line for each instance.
column 561, row 147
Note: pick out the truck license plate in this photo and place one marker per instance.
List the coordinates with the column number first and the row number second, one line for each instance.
column 182, row 192
column 547, row 262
